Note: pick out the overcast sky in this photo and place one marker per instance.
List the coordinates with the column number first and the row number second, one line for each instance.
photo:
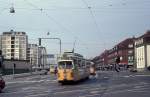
column 95, row 25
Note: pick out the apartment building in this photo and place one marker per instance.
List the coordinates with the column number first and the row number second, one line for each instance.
column 41, row 57
column 14, row 45
column 32, row 53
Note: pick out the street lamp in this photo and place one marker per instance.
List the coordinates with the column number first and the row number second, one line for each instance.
column 12, row 10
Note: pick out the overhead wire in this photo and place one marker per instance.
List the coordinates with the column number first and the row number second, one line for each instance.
column 92, row 15
column 51, row 18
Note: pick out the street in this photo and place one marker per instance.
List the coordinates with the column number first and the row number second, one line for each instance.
column 104, row 84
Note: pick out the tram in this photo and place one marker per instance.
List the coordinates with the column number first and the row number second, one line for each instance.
column 72, row 67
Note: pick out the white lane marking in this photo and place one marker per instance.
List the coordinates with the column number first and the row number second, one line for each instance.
column 143, row 75
column 106, row 77
column 31, row 90
column 140, row 91
column 124, row 85
column 126, row 90
column 90, row 95
column 18, row 92
column 94, row 92
column 63, row 92
column 44, row 94
column 137, row 87
column 30, row 81
column 127, row 76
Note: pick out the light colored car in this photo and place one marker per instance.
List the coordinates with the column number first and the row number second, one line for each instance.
column 52, row 69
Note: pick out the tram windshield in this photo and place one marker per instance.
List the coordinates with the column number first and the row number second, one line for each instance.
column 65, row 64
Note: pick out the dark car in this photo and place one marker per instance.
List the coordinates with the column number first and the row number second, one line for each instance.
column 2, row 83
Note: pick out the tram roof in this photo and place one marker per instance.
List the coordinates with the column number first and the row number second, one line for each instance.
column 63, row 60
column 72, row 54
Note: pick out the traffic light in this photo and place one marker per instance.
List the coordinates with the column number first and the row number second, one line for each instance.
column 0, row 64
column 39, row 41
column 118, row 60
column 14, row 65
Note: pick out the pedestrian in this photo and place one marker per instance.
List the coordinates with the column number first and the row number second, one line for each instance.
column 55, row 70
column 117, row 68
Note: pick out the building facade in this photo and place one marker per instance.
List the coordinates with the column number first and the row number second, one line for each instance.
column 32, row 53
column 41, row 57
column 14, row 45
column 142, row 51
column 124, row 49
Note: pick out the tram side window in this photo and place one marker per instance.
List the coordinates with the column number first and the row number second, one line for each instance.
column 75, row 62
column 79, row 63
column 83, row 64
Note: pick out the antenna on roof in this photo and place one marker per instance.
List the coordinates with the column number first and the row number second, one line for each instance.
column 74, row 45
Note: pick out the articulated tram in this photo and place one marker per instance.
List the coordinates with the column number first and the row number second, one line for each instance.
column 72, row 67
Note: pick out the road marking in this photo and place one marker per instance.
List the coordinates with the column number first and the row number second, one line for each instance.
column 143, row 75
column 62, row 92
column 90, row 95
column 94, row 92
column 33, row 88
column 44, row 94
column 137, row 87
column 126, row 90
column 30, row 81
column 19, row 92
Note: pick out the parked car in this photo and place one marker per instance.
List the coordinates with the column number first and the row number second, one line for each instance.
column 2, row 83
column 133, row 70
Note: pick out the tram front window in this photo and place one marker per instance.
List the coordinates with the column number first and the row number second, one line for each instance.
column 65, row 64
column 69, row 65
column 61, row 65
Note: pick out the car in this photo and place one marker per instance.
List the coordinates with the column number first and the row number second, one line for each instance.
column 2, row 84
column 44, row 72
column 133, row 70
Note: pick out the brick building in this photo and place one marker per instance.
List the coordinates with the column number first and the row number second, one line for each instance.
column 124, row 49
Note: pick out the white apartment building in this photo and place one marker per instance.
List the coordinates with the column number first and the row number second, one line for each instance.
column 142, row 51
column 42, row 59
column 14, row 45
column 32, row 53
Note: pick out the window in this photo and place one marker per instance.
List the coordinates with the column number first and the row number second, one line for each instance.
column 8, row 42
column 17, row 46
column 8, row 54
column 16, row 42
column 130, row 46
column 3, row 38
column 130, row 51
column 8, row 50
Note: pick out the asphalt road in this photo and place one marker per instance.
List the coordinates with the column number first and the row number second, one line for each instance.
column 105, row 84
